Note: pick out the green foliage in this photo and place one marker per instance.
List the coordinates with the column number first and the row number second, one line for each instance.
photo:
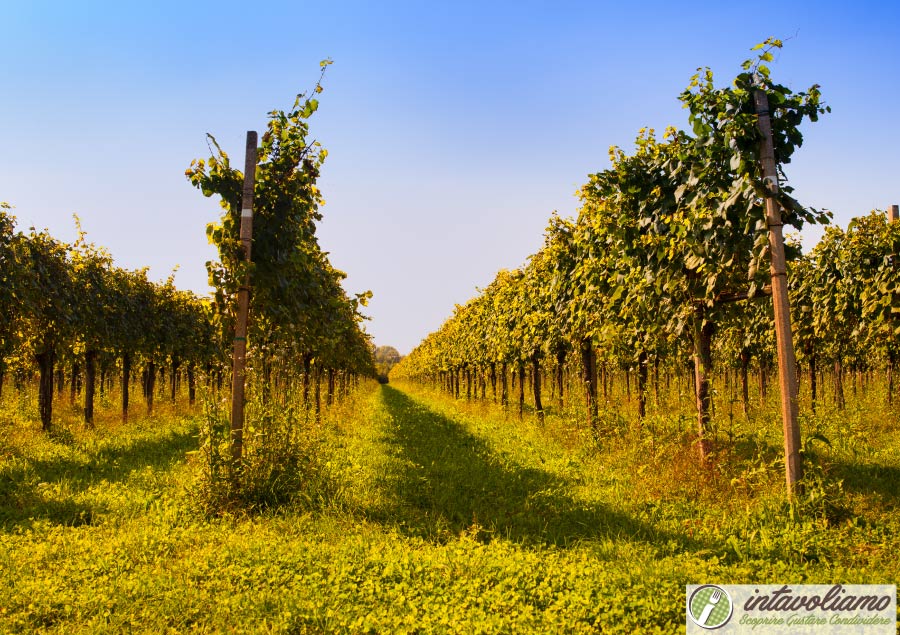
column 95, row 303
column 68, row 304
column 386, row 357
column 448, row 520
column 47, row 292
column 11, row 282
column 874, row 269
column 666, row 241
column 848, row 288
column 280, row 465
column 406, row 512
column 298, row 305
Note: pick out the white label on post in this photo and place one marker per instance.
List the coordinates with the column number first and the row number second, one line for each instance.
column 246, row 213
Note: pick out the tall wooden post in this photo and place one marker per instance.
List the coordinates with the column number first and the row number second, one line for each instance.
column 894, row 213
column 240, row 328
column 787, row 365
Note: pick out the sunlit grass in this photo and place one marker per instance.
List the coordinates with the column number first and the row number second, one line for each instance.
column 443, row 516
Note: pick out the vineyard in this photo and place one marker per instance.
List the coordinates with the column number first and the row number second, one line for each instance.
column 665, row 268
column 68, row 307
column 669, row 392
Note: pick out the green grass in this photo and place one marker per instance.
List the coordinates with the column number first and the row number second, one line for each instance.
column 442, row 517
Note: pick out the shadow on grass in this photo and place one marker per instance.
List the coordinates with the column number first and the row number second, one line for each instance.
column 22, row 483
column 116, row 462
column 863, row 478
column 875, row 479
column 29, row 507
column 450, row 481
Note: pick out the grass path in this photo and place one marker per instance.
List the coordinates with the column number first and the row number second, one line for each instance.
column 443, row 479
column 440, row 518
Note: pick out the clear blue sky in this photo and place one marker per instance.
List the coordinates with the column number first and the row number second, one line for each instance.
column 454, row 129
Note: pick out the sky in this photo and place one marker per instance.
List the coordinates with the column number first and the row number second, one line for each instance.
column 454, row 129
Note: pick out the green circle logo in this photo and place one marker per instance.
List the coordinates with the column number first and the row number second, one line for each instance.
column 710, row 607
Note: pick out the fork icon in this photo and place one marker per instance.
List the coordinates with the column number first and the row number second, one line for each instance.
column 713, row 600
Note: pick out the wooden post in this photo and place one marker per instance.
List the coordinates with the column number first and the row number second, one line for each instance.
column 240, row 328
column 893, row 217
column 536, row 385
column 90, row 375
column 787, row 366
column 703, row 365
column 589, row 379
